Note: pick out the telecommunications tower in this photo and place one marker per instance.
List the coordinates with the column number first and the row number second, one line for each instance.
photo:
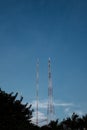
column 37, row 87
column 50, row 109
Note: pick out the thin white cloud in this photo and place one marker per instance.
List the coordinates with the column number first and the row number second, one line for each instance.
column 41, row 117
column 44, row 104
column 40, row 104
column 69, row 111
column 79, row 112
column 63, row 104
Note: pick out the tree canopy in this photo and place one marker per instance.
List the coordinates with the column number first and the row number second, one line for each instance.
column 14, row 115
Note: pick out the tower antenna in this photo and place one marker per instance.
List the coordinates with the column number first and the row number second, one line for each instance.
column 37, row 87
column 50, row 109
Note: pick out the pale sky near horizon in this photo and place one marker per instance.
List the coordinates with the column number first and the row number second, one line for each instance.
column 31, row 29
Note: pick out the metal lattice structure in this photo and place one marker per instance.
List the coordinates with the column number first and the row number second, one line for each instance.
column 50, row 106
column 37, row 87
column 50, row 109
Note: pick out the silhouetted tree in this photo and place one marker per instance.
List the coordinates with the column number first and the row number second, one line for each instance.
column 13, row 114
column 74, row 119
column 85, row 121
column 45, row 127
column 53, row 125
column 80, row 123
column 67, row 123
column 71, row 123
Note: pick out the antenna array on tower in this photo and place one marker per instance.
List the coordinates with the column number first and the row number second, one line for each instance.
column 37, row 87
column 50, row 106
column 50, row 110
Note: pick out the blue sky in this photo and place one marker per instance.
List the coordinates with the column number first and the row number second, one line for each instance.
column 31, row 29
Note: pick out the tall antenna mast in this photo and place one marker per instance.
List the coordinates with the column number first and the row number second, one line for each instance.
column 37, row 87
column 50, row 111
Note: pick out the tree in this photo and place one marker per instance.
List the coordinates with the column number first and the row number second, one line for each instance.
column 74, row 119
column 80, row 123
column 53, row 125
column 13, row 114
column 71, row 123
column 66, row 123
column 85, row 121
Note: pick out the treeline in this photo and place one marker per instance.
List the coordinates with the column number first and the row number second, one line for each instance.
column 14, row 115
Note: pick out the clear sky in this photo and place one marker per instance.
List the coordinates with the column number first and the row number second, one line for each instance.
column 31, row 29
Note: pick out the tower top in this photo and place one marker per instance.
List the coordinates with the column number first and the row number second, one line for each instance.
column 49, row 59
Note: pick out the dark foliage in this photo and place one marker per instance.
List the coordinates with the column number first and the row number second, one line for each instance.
column 14, row 115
